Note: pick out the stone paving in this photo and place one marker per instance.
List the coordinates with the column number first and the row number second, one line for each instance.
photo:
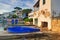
column 45, row 36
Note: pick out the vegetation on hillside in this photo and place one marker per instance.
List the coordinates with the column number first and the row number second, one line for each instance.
column 17, row 9
column 26, row 11
column 15, row 16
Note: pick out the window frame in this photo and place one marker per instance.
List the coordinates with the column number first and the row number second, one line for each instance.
column 44, row 1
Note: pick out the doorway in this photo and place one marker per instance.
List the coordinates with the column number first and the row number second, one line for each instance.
column 44, row 26
column 36, row 21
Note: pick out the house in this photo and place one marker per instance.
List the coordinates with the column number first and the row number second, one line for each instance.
column 30, row 15
column 18, row 13
column 43, row 11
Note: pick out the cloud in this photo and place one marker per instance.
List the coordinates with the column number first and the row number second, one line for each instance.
column 8, row 5
column 13, row 1
column 35, row 0
column 28, row 4
column 4, row 7
column 2, row 11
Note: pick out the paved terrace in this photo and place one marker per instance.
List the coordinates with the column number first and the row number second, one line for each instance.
column 30, row 36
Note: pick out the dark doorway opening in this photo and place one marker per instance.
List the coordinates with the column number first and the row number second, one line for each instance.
column 44, row 24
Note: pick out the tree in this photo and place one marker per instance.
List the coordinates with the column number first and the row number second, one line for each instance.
column 15, row 16
column 26, row 19
column 26, row 11
column 18, row 8
column 14, row 11
column 31, row 20
column 8, row 16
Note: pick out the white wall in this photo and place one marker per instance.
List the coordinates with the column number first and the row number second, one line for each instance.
column 30, row 15
column 47, row 5
column 41, row 18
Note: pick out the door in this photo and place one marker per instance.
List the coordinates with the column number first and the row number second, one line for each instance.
column 36, row 21
column 44, row 26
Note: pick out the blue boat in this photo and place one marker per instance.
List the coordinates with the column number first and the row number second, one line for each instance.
column 21, row 29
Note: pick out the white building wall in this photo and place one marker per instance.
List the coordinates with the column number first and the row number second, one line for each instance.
column 30, row 15
column 41, row 18
column 50, row 5
column 33, row 21
column 47, row 5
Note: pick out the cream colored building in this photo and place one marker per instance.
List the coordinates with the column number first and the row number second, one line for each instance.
column 43, row 11
column 30, row 15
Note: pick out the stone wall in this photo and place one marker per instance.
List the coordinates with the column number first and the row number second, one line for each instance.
column 56, row 25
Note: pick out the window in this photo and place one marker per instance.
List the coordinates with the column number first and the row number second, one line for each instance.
column 36, row 21
column 43, row 2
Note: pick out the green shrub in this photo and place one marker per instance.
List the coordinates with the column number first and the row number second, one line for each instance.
column 31, row 20
column 15, row 16
column 26, row 19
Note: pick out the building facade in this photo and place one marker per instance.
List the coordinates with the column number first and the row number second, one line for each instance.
column 43, row 11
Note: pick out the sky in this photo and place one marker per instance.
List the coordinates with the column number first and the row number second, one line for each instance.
column 8, row 5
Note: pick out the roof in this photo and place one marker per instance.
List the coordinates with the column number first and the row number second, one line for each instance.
column 37, row 4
